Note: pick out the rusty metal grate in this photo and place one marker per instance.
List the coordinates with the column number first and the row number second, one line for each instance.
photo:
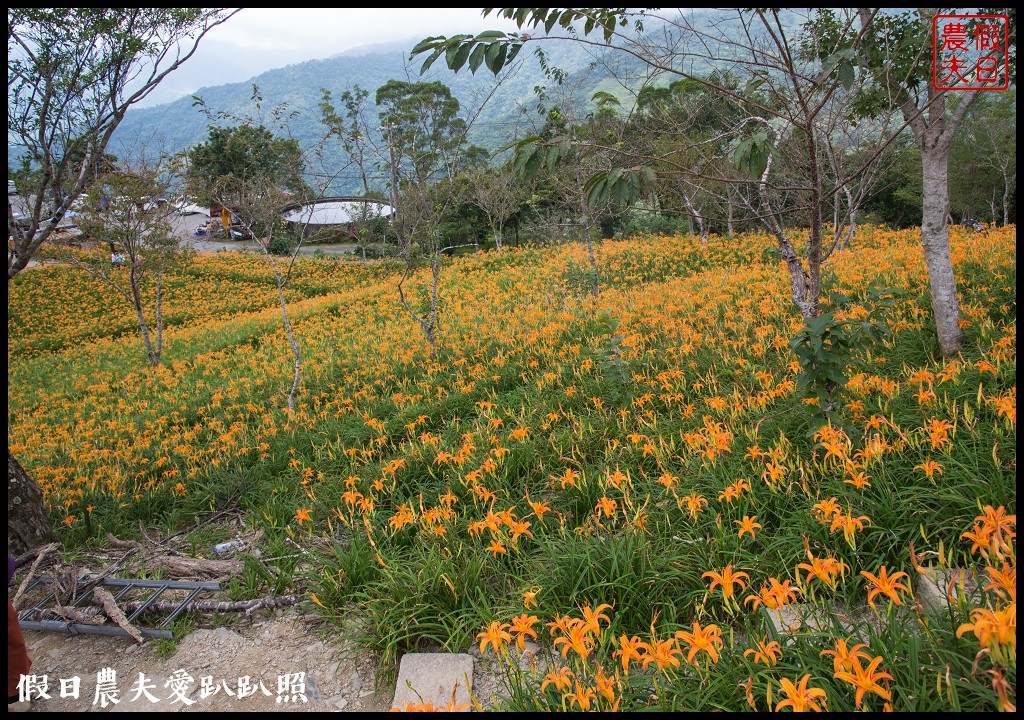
column 36, row 617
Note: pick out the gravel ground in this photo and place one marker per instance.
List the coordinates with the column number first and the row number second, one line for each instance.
column 271, row 652
column 185, row 226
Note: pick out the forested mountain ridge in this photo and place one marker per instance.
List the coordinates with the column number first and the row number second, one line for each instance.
column 298, row 88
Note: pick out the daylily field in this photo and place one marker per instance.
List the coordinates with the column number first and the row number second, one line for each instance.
column 634, row 486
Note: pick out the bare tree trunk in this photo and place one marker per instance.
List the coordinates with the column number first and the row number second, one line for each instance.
column 814, row 242
column 430, row 324
column 801, row 286
column 291, row 341
column 1006, row 197
column 852, row 231
column 435, row 272
column 839, row 238
column 935, row 242
column 728, row 217
column 160, row 314
column 695, row 211
column 28, row 524
column 154, row 359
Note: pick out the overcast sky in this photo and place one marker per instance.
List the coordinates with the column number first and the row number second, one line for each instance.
column 260, row 39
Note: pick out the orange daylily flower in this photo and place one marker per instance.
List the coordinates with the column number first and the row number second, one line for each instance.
column 865, row 679
column 576, row 639
column 998, row 524
column 766, row 652
column 844, row 657
column 592, row 618
column 569, row 477
column 885, row 584
column 561, row 624
column 1004, row 580
column 523, row 626
column 858, row 478
column 582, row 697
column 747, row 525
column 693, row 503
column 606, row 506
column 980, row 537
column 662, row 654
column 929, row 467
column 539, row 508
column 773, row 595
column 773, row 473
column 705, row 639
column 668, row 480
column 630, row 649
column 606, row 684
column 938, row 431
column 496, row 635
column 849, row 525
column 800, row 697
column 828, row 570
column 726, row 578
column 560, row 679
column 826, row 510
column 995, row 629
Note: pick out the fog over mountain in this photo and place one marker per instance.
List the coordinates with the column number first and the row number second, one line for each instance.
column 175, row 126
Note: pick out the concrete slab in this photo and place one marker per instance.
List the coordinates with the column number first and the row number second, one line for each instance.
column 938, row 588
column 790, row 618
column 433, row 678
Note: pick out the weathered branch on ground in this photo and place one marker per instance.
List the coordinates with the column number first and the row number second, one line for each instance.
column 42, row 553
column 178, row 566
column 132, row 544
column 116, row 614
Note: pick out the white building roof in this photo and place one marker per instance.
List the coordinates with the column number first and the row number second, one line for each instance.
column 336, row 212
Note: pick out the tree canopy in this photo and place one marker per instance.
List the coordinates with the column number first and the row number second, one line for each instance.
column 234, row 160
column 72, row 74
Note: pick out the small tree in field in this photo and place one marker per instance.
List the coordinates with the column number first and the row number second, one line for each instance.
column 72, row 74
column 424, row 136
column 134, row 245
column 499, row 193
column 255, row 175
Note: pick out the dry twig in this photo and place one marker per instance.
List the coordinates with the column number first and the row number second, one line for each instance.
column 43, row 552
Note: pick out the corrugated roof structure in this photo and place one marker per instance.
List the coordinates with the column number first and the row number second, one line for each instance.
column 336, row 211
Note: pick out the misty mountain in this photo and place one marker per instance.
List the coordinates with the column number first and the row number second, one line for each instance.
column 297, row 89
column 502, row 114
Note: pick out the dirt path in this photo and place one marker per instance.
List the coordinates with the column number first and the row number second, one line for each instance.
column 185, row 227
